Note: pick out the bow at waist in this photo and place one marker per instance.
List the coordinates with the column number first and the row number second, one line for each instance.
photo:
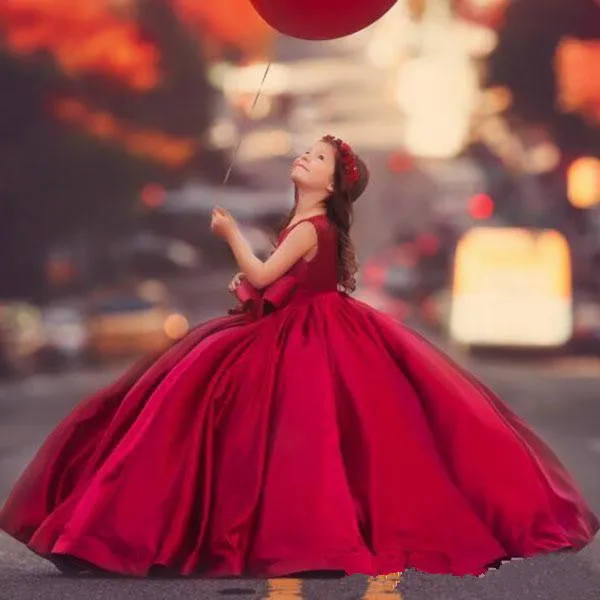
column 256, row 303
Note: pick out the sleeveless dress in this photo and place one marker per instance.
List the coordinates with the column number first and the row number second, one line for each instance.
column 305, row 432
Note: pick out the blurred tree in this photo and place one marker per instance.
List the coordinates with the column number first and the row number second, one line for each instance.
column 94, row 106
column 228, row 27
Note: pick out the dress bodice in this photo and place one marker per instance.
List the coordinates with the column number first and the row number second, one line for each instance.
column 319, row 274
column 305, row 280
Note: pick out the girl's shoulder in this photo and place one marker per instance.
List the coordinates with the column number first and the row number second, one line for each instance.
column 320, row 222
column 316, row 220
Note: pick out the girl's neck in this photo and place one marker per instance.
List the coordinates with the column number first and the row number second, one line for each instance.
column 315, row 212
column 308, row 205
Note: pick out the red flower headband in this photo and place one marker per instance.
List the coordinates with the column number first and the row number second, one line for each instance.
column 348, row 158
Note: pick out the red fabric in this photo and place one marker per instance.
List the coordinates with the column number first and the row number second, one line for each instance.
column 320, row 435
column 321, row 19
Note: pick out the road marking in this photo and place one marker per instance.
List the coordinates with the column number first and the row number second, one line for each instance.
column 379, row 588
column 384, row 587
column 284, row 589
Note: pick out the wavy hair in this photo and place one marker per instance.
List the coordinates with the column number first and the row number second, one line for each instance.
column 339, row 206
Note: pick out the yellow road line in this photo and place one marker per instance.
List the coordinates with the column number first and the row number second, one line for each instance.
column 378, row 588
column 284, row 589
column 384, row 588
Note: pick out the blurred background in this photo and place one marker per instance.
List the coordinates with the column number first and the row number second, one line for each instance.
column 480, row 120
column 118, row 119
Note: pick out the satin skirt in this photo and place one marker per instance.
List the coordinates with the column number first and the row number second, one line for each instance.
column 323, row 436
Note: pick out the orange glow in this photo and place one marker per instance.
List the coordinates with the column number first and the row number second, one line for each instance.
column 84, row 36
column 578, row 74
column 157, row 146
column 176, row 326
column 233, row 22
column 583, row 182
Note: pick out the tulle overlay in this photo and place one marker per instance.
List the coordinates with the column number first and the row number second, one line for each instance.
column 323, row 435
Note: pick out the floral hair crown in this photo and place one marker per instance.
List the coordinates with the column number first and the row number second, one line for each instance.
column 348, row 158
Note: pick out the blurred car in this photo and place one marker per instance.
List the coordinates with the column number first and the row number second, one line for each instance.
column 129, row 324
column 394, row 272
column 21, row 338
column 512, row 287
column 66, row 335
column 416, row 267
column 586, row 335
column 434, row 311
column 434, row 250
column 381, row 301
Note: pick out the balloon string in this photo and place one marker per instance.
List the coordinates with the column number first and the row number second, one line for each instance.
column 237, row 148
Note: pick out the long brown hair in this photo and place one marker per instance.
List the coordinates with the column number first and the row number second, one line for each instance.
column 339, row 206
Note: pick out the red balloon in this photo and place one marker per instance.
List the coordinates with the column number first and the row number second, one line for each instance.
column 321, row 19
column 490, row 14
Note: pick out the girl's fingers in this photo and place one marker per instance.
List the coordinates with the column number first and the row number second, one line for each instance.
column 235, row 282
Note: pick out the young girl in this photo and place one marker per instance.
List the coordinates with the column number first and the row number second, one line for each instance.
column 306, row 431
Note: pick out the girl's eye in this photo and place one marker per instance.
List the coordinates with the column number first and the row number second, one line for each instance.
column 321, row 157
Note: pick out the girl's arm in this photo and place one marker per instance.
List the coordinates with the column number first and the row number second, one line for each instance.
column 300, row 241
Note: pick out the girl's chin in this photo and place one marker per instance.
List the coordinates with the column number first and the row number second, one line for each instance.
column 296, row 177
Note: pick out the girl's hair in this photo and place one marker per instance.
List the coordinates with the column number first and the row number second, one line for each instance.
column 339, row 206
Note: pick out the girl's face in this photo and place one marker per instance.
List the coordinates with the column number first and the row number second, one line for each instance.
column 314, row 169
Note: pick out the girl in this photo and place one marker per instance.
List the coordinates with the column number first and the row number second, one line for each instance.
column 304, row 432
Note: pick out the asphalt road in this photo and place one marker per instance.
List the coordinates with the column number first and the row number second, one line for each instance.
column 557, row 396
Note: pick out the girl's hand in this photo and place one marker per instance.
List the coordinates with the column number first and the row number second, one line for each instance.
column 235, row 282
column 222, row 224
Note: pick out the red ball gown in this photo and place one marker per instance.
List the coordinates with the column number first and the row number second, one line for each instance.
column 306, row 432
